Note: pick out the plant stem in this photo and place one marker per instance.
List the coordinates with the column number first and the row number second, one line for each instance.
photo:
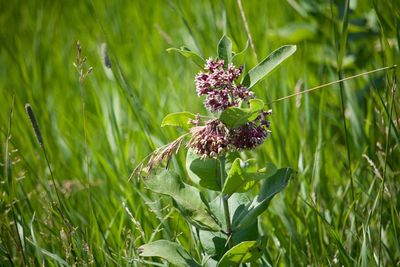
column 226, row 205
column 331, row 83
column 246, row 26
column 382, row 189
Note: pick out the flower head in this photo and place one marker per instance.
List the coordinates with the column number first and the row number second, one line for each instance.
column 219, row 87
column 252, row 134
column 214, row 139
column 210, row 140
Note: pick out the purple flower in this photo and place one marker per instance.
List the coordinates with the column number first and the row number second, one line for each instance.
column 202, row 84
column 234, row 73
column 212, row 64
column 241, row 92
column 248, row 136
column 219, row 87
column 217, row 100
column 252, row 134
column 210, row 140
column 214, row 139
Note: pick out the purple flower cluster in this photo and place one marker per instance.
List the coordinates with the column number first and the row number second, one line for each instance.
column 217, row 83
column 252, row 134
column 219, row 87
column 214, row 138
column 210, row 140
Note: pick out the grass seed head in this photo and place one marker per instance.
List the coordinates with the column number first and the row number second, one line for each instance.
column 34, row 124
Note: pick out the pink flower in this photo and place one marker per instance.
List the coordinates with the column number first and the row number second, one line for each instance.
column 210, row 140
column 252, row 134
column 219, row 87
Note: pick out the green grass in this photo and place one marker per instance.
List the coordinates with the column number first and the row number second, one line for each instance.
column 321, row 219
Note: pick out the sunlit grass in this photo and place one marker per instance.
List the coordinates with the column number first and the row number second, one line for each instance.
column 316, row 221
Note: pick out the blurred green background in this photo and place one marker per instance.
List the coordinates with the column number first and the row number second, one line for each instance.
column 96, row 132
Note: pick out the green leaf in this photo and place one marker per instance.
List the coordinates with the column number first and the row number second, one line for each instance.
column 247, row 251
column 186, row 52
column 188, row 199
column 236, row 203
column 242, row 176
column 234, row 117
column 204, row 172
column 272, row 185
column 267, row 65
column 225, row 50
column 215, row 244
column 179, row 119
column 170, row 251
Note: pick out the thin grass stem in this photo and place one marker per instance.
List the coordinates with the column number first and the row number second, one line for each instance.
column 8, row 176
column 246, row 26
column 382, row 189
column 332, row 83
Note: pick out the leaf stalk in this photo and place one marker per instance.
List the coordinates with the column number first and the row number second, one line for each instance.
column 226, row 205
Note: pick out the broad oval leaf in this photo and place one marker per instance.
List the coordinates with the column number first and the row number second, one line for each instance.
column 247, row 251
column 215, row 244
column 267, row 65
column 186, row 52
column 236, row 204
column 271, row 186
column 179, row 119
column 234, row 117
column 170, row 251
column 204, row 172
column 242, row 176
column 188, row 199
column 224, row 50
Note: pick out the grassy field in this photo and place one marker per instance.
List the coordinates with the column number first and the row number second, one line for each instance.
column 341, row 209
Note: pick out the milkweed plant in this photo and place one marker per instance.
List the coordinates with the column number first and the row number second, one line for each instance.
column 216, row 204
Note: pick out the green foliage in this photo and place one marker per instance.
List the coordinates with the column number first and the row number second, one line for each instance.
column 106, row 216
column 170, row 251
column 271, row 186
column 260, row 71
column 224, row 50
column 234, row 117
column 216, row 244
column 242, row 176
column 204, row 172
column 188, row 199
column 179, row 119
column 247, row 251
column 186, row 52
